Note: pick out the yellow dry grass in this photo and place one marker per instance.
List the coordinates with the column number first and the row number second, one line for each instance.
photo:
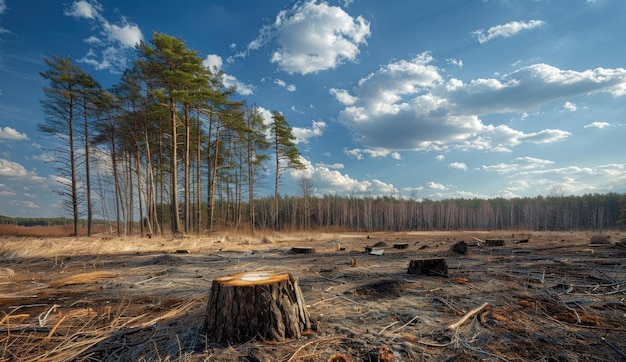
column 12, row 247
column 84, row 278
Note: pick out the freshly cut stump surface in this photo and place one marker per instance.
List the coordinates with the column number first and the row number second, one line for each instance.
column 250, row 305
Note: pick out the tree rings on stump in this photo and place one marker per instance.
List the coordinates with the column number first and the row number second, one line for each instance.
column 248, row 305
column 429, row 267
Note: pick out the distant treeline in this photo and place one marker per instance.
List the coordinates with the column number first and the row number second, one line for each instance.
column 38, row 221
column 596, row 212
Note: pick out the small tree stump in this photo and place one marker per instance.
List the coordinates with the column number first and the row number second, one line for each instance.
column 247, row 305
column 429, row 267
column 302, row 250
column 494, row 242
column 459, row 248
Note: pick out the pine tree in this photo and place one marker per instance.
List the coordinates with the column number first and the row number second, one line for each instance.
column 89, row 94
column 61, row 109
column 177, row 76
column 285, row 152
column 256, row 146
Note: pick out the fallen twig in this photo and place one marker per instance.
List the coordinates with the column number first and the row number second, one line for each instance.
column 432, row 344
column 293, row 356
column 467, row 316
column 42, row 320
column 406, row 324
column 570, row 309
column 615, row 348
column 481, row 351
column 8, row 317
column 56, row 326
column 147, row 280
column 384, row 329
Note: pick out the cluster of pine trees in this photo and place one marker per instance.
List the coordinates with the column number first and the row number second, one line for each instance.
column 165, row 144
column 169, row 149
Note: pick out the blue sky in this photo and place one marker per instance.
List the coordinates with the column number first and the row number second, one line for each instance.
column 423, row 99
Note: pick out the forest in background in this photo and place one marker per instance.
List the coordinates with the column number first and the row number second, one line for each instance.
column 596, row 212
column 168, row 150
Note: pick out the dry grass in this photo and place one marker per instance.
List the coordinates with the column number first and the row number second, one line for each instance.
column 47, row 231
column 84, row 278
column 137, row 299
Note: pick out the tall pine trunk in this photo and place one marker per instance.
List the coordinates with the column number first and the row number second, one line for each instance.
column 174, row 171
column 73, row 170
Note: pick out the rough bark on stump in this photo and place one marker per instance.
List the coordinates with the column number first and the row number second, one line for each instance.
column 429, row 267
column 248, row 305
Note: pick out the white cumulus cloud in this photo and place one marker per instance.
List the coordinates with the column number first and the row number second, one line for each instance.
column 213, row 62
column 125, row 34
column 312, row 37
column 597, row 125
column 282, row 83
column 458, row 166
column 569, row 106
column 84, row 9
column 8, row 133
column 113, row 44
column 329, row 181
column 409, row 105
column 435, row 186
column 12, row 169
column 303, row 134
column 505, row 30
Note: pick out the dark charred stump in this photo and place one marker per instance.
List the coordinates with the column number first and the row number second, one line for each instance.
column 459, row 248
column 251, row 305
column 302, row 250
column 429, row 267
column 492, row 242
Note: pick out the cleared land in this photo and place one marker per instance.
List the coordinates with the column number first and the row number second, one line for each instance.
column 555, row 297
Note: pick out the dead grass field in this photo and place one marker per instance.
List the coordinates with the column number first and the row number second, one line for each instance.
column 554, row 298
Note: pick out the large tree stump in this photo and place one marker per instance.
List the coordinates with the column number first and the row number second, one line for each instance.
column 247, row 305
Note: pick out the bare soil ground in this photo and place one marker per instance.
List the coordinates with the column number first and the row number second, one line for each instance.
column 554, row 298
